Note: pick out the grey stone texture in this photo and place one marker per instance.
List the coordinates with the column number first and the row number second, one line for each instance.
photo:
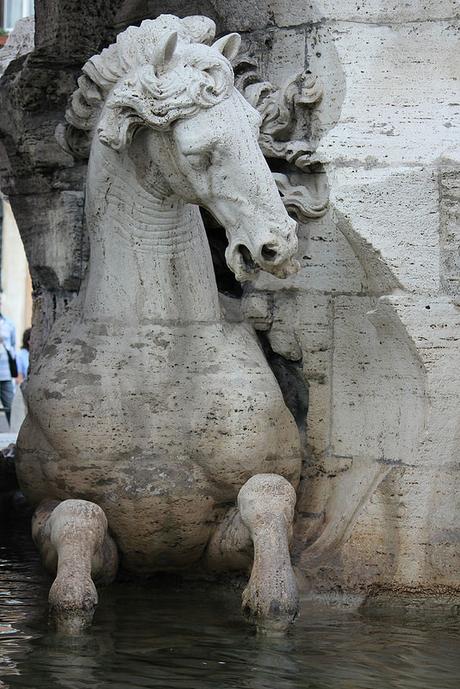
column 373, row 314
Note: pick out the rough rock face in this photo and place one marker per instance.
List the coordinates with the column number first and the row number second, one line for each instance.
column 19, row 42
column 373, row 316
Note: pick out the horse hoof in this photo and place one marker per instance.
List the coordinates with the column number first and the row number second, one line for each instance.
column 273, row 607
column 72, row 602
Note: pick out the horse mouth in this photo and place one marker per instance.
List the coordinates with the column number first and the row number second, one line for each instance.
column 241, row 263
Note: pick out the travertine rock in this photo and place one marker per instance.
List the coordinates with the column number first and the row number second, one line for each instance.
column 19, row 42
column 382, row 370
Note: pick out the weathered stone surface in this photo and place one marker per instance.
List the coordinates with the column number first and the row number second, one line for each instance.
column 371, row 366
column 361, row 11
column 52, row 236
column 69, row 32
column 231, row 15
column 391, row 217
column 44, row 184
column 279, row 54
column 260, row 14
column 380, row 513
column 389, row 115
column 432, row 327
column 449, row 190
column 19, row 42
column 372, row 310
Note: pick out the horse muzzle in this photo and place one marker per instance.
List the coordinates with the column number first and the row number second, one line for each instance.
column 275, row 256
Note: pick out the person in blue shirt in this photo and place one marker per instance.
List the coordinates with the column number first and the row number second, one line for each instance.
column 7, row 342
column 22, row 357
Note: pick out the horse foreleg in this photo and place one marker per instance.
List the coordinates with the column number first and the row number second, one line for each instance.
column 75, row 545
column 266, row 505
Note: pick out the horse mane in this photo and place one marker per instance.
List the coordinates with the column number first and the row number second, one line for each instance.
column 153, row 75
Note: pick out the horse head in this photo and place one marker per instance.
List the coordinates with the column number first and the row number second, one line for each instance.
column 164, row 94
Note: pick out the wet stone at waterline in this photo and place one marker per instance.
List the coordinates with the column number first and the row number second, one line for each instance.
column 169, row 636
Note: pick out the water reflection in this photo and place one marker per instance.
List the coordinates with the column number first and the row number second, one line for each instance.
column 170, row 637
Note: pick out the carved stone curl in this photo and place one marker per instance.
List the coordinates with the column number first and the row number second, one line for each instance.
column 279, row 109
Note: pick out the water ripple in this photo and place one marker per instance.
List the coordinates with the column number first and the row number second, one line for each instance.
column 177, row 637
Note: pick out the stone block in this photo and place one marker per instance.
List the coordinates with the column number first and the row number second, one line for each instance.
column 284, row 342
column 233, row 15
column 406, row 536
column 449, row 188
column 347, row 485
column 387, row 110
column 319, row 416
column 328, row 261
column 432, row 327
column 257, row 308
column 391, row 218
column 308, row 318
column 378, row 387
column 279, row 53
column 371, row 11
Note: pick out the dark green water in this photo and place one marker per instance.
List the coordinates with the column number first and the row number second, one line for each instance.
column 170, row 637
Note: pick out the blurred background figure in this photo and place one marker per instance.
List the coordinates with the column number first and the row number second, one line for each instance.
column 22, row 357
column 16, row 311
column 7, row 346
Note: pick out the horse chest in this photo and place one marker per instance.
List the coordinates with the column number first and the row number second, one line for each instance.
column 178, row 389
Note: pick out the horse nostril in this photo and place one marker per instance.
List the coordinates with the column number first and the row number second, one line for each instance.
column 247, row 258
column 268, row 253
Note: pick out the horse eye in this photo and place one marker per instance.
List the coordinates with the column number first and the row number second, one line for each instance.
column 199, row 161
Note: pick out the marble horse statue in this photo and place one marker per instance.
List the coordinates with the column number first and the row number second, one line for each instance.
column 157, row 437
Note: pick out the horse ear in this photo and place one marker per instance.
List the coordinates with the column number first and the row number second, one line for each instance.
column 166, row 49
column 228, row 45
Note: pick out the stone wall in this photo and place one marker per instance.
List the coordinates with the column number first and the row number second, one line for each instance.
column 374, row 308
column 373, row 313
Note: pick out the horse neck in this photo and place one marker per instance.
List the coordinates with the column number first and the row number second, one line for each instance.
column 150, row 258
